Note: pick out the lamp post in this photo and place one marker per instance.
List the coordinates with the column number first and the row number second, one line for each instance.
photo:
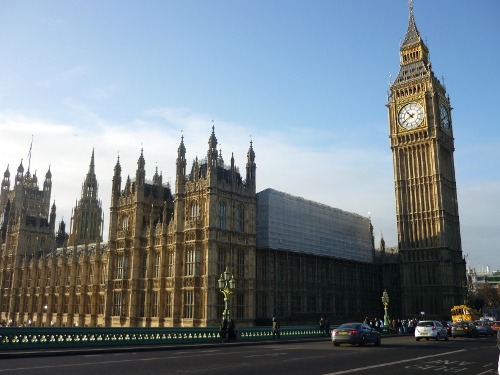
column 226, row 285
column 385, row 301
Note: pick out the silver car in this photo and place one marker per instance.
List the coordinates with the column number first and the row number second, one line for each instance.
column 355, row 334
column 430, row 329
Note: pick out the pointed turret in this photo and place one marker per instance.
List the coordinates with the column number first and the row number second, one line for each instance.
column 181, row 167
column 52, row 222
column 20, row 174
column 212, row 154
column 47, row 190
column 233, row 171
column 157, row 178
column 116, row 184
column 115, row 200
column 251, row 168
column 86, row 220
column 414, row 54
column 34, row 180
column 4, row 192
column 90, row 186
column 47, row 184
column 412, row 34
column 128, row 186
column 140, row 175
column 61, row 236
column 4, row 220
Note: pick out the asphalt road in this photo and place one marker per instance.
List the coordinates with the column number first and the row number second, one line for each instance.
column 396, row 356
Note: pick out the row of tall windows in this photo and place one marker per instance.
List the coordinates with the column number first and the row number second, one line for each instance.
column 145, row 263
column 121, row 267
column 189, row 304
column 239, row 272
column 222, row 215
column 170, row 264
column 240, row 217
column 41, row 281
column 194, row 211
column 81, row 303
column 193, row 261
column 119, row 304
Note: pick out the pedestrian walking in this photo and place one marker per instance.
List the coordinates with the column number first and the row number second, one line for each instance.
column 322, row 326
column 276, row 328
column 223, row 329
column 327, row 327
column 231, row 331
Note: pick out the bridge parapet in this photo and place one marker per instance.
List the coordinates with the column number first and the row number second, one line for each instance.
column 76, row 337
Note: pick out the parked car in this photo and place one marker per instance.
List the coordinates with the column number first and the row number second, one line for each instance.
column 464, row 329
column 495, row 326
column 483, row 328
column 447, row 325
column 430, row 329
column 355, row 334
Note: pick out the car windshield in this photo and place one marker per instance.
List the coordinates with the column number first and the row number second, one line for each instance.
column 350, row 326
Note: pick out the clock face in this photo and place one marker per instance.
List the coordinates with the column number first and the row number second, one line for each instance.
column 444, row 115
column 411, row 115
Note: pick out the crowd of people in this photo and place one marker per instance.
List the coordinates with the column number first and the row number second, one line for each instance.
column 396, row 326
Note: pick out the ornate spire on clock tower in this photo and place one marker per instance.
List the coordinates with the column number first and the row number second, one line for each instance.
column 432, row 265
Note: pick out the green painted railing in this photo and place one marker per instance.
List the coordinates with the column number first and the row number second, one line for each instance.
column 77, row 337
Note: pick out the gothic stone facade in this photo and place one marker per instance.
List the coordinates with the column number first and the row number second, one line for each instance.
column 163, row 260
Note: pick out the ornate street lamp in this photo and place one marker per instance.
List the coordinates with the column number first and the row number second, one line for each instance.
column 385, row 301
column 226, row 285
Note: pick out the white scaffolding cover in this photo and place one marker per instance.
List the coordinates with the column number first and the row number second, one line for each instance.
column 292, row 223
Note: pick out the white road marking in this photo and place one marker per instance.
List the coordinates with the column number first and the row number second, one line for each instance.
column 393, row 363
column 265, row 355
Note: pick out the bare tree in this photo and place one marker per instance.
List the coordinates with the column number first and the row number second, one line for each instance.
column 486, row 295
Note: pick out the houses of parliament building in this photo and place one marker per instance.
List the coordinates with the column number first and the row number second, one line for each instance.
column 290, row 257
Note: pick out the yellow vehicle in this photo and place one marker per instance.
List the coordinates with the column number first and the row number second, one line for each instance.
column 463, row 313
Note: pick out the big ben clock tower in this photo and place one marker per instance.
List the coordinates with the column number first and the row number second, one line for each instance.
column 421, row 133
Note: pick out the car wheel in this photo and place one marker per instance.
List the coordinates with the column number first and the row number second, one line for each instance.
column 427, row 339
column 363, row 341
column 417, row 338
column 336, row 343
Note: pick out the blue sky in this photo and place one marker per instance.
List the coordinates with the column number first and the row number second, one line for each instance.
column 306, row 81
